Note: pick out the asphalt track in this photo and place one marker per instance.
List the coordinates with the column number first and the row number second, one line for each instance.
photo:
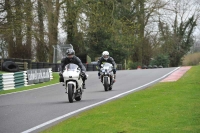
column 35, row 110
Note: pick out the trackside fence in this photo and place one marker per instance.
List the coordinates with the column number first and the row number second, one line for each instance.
column 27, row 64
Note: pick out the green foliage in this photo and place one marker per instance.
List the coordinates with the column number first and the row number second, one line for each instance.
column 133, row 65
column 92, row 26
column 111, row 28
column 160, row 59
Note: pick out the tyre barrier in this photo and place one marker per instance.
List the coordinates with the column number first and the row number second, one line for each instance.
column 15, row 80
column 10, row 66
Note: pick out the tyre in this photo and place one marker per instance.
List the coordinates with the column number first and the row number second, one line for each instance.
column 10, row 66
column 106, row 85
column 70, row 93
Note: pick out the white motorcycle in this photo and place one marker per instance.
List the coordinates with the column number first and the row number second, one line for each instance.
column 73, row 82
column 107, row 76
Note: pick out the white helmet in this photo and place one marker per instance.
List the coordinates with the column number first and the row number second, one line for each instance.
column 105, row 55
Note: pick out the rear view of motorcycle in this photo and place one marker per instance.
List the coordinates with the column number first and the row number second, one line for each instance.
column 107, row 76
column 73, row 82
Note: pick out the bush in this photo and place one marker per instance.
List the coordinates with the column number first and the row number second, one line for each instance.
column 161, row 59
column 133, row 65
column 191, row 59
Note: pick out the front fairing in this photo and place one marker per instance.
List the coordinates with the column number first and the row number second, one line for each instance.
column 106, row 69
column 71, row 71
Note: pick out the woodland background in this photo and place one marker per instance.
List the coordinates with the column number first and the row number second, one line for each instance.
column 135, row 32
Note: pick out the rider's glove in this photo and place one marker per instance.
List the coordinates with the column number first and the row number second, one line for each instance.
column 98, row 68
column 83, row 74
column 60, row 73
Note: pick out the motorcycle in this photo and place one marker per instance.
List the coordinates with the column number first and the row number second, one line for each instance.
column 73, row 82
column 107, row 76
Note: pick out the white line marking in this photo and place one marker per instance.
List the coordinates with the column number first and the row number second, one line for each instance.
column 84, row 108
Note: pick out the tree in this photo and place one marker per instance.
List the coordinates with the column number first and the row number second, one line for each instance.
column 42, row 54
column 17, row 28
column 52, row 8
column 146, row 10
column 8, row 34
column 177, row 42
column 29, row 23
column 111, row 27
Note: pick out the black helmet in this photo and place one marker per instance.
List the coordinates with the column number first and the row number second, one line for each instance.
column 70, row 53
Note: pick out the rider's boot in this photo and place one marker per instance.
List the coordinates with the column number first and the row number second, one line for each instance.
column 99, row 75
column 84, row 87
column 114, row 78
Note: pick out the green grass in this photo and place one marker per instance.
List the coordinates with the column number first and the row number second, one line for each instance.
column 171, row 107
column 53, row 81
column 2, row 72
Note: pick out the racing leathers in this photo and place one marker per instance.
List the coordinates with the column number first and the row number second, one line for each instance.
column 109, row 60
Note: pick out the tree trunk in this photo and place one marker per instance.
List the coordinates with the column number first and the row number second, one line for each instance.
column 29, row 23
column 53, row 16
column 41, row 54
column 9, row 30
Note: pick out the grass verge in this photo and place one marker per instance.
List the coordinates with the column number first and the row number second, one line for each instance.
column 170, row 107
column 53, row 81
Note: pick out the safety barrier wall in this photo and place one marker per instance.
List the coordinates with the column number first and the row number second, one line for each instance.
column 13, row 80
column 16, row 80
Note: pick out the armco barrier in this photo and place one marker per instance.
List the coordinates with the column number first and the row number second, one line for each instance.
column 15, row 80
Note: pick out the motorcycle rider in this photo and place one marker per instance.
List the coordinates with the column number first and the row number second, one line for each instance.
column 106, row 58
column 71, row 58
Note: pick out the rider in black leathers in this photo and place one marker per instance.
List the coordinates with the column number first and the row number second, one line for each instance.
column 106, row 58
column 71, row 58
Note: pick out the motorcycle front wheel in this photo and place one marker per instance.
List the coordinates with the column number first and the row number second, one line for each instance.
column 70, row 93
column 106, row 85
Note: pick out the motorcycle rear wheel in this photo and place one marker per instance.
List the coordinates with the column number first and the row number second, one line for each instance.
column 70, row 93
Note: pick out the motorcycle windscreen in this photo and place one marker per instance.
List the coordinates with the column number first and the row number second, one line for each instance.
column 107, row 64
column 71, row 67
